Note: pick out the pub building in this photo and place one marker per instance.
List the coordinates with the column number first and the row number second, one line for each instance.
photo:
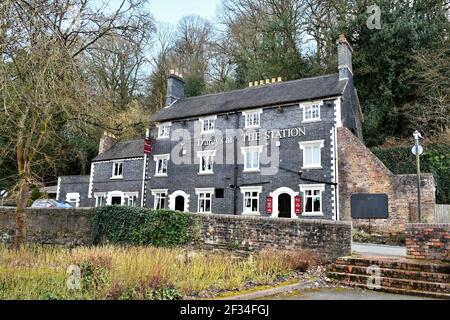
column 269, row 149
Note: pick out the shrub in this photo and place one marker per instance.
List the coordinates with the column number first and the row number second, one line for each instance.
column 140, row 226
column 435, row 159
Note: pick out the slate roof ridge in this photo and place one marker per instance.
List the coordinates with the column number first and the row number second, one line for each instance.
column 257, row 87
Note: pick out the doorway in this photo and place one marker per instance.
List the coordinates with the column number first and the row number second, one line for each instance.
column 179, row 203
column 116, row 200
column 284, row 205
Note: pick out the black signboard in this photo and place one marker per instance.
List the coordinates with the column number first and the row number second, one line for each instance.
column 369, row 206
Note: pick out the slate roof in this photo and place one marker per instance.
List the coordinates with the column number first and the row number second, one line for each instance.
column 253, row 97
column 123, row 149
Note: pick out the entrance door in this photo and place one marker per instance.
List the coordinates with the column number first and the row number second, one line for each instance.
column 284, row 205
column 116, row 200
column 179, row 203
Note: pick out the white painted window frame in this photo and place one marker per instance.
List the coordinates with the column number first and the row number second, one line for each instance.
column 99, row 195
column 164, row 130
column 207, row 119
column 251, row 189
column 312, row 188
column 307, row 145
column 203, row 191
column 161, row 157
column 246, row 151
column 157, row 196
column 210, row 154
column 113, row 174
column 133, row 196
column 311, row 104
column 73, row 197
column 252, row 113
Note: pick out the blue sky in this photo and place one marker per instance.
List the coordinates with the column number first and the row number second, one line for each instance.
column 173, row 10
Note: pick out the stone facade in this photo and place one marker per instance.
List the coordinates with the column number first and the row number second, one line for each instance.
column 360, row 171
column 429, row 241
column 72, row 188
column 73, row 227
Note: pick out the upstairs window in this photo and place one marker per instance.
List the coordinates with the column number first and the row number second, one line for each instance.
column 208, row 124
column 251, row 158
column 162, row 162
column 311, row 112
column 206, row 161
column 252, row 118
column 312, row 154
column 164, row 130
column 117, row 172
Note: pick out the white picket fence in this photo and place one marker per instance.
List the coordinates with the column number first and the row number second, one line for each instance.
column 443, row 213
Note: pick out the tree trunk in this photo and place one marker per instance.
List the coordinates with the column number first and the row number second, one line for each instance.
column 21, row 213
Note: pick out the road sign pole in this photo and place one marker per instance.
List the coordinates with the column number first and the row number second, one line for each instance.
column 419, row 207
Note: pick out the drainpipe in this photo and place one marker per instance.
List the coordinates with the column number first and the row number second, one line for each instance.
column 236, row 167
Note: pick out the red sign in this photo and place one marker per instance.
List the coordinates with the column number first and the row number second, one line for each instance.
column 269, row 204
column 147, row 146
column 298, row 205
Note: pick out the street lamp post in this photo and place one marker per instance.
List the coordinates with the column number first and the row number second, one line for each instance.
column 417, row 150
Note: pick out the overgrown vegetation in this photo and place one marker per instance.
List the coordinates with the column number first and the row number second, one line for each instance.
column 138, row 272
column 435, row 159
column 140, row 226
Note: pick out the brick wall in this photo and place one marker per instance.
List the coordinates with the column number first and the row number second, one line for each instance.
column 73, row 227
column 360, row 171
column 428, row 241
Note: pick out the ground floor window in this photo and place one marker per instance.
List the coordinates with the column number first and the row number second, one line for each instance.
column 159, row 198
column 100, row 199
column 73, row 199
column 312, row 199
column 204, row 199
column 251, row 199
column 131, row 199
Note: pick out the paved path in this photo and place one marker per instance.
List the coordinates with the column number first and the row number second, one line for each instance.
column 378, row 250
column 342, row 294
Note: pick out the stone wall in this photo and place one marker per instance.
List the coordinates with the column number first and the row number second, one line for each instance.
column 428, row 241
column 360, row 171
column 330, row 239
column 73, row 227
column 68, row 227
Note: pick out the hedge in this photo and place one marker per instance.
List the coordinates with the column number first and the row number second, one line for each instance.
column 141, row 226
column 435, row 159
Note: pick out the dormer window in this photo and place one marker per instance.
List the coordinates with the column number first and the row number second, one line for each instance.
column 164, row 130
column 208, row 124
column 117, row 172
column 252, row 118
column 311, row 111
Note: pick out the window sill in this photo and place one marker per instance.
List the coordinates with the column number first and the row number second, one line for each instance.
column 160, row 175
column 253, row 127
column 116, row 178
column 251, row 170
column 315, row 167
column 207, row 132
column 206, row 173
column 162, row 138
column 311, row 121
column 311, row 214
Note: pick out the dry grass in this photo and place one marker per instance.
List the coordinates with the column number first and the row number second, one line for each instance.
column 137, row 272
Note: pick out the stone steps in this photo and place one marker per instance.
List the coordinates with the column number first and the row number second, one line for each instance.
column 396, row 275
column 393, row 273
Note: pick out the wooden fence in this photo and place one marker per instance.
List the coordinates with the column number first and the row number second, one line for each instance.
column 443, row 213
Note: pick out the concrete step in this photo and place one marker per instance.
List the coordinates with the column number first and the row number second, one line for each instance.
column 428, row 294
column 397, row 263
column 407, row 284
column 394, row 273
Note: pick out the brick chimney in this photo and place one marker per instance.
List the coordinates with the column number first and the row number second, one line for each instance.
column 344, row 58
column 106, row 142
column 175, row 87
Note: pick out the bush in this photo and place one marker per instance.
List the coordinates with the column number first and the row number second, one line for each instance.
column 140, row 226
column 435, row 159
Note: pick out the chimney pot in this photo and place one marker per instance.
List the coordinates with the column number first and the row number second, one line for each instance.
column 274, row 80
column 261, row 82
column 256, row 83
column 250, row 84
column 279, row 79
column 267, row 81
